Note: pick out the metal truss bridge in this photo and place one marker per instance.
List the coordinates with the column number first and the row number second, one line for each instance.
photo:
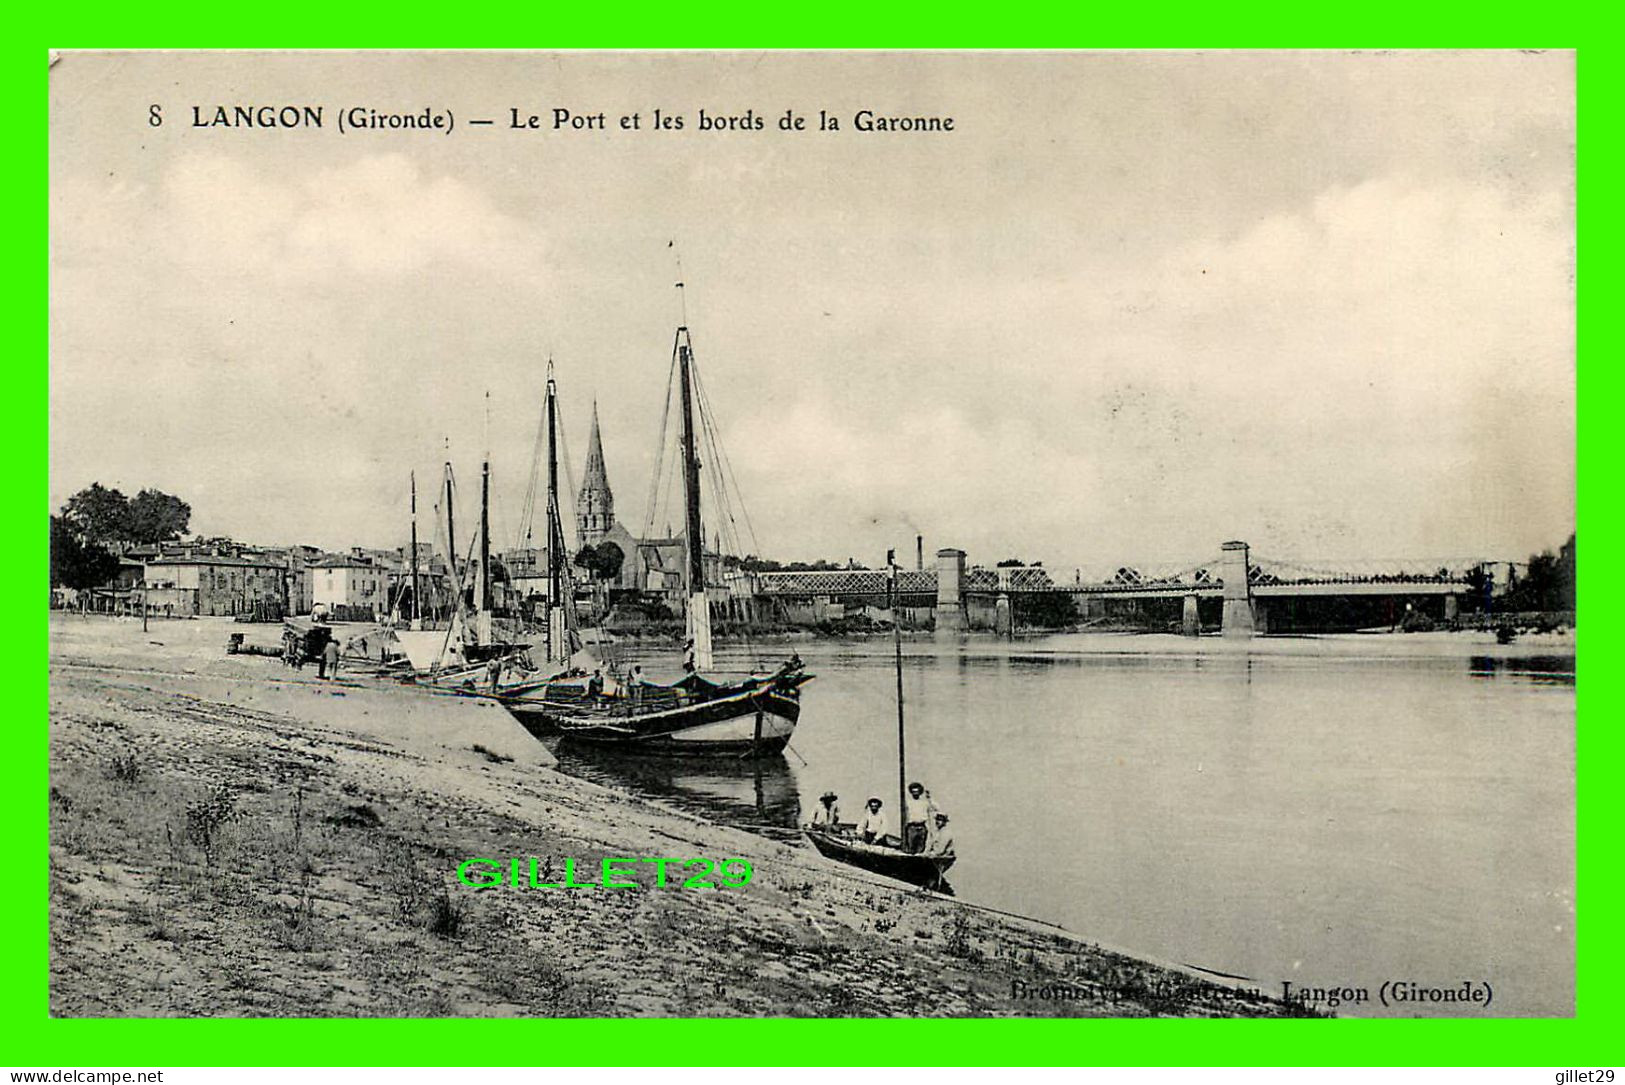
column 1266, row 577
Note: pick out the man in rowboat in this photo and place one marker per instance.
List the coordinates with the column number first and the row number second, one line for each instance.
column 872, row 829
column 942, row 841
column 827, row 815
column 918, row 817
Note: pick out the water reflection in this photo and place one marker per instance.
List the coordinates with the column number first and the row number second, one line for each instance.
column 1322, row 810
column 759, row 794
column 1554, row 670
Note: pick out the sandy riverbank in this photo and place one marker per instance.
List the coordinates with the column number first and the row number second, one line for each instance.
column 231, row 839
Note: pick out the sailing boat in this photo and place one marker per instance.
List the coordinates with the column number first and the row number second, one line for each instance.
column 886, row 855
column 561, row 640
column 453, row 655
column 426, row 649
column 695, row 716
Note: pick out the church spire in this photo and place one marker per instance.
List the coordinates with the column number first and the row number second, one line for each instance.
column 595, row 507
column 597, row 477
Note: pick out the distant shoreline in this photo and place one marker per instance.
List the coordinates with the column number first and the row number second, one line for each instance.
column 1544, row 628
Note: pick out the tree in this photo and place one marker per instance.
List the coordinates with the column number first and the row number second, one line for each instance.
column 1011, row 563
column 77, row 564
column 1548, row 584
column 102, row 516
column 603, row 561
column 98, row 515
column 155, row 516
column 1567, row 575
column 610, row 559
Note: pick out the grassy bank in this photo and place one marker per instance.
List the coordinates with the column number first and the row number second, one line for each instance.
column 230, row 841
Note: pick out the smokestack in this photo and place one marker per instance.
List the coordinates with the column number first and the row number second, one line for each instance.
column 919, row 553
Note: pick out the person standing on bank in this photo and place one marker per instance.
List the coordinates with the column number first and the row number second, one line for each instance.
column 330, row 660
column 918, row 817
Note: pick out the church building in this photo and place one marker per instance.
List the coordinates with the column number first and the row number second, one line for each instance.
column 652, row 565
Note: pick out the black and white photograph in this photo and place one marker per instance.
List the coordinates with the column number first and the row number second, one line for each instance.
column 846, row 534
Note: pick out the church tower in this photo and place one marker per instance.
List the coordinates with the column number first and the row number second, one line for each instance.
column 595, row 507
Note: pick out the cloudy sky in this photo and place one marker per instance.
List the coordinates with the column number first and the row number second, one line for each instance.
column 1133, row 305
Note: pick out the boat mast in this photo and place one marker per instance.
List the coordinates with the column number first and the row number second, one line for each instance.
column 417, row 613
column 557, row 649
column 451, row 541
column 699, row 610
column 897, row 651
column 482, row 627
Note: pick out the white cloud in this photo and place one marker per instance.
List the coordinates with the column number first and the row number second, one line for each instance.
column 1416, row 282
column 375, row 220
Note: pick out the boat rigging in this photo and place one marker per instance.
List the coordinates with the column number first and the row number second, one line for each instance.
column 887, row 855
column 700, row 714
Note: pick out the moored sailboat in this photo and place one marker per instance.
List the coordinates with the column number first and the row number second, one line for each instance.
column 751, row 715
column 454, row 656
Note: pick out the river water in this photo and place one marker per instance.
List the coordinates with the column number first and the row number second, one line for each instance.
column 1333, row 812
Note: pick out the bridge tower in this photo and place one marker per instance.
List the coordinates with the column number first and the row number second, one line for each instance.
column 950, row 597
column 1238, row 618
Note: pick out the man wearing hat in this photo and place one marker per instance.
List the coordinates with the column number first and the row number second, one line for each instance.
column 942, row 841
column 873, row 826
column 827, row 815
column 917, row 819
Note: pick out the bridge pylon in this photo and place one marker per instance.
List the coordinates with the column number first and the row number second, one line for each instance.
column 1191, row 621
column 1004, row 618
column 950, row 615
column 1238, row 620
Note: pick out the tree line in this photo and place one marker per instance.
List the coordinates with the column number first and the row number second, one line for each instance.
column 97, row 523
column 750, row 563
column 1547, row 584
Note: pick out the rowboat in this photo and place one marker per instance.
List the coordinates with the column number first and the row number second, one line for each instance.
column 885, row 857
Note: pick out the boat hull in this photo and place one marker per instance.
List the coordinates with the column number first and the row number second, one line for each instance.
column 757, row 721
column 926, row 870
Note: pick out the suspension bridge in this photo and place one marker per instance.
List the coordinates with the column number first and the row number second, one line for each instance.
column 1245, row 582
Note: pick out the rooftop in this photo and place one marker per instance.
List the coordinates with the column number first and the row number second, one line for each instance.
column 212, row 559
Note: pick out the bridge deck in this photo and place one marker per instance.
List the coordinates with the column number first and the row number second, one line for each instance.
column 873, row 585
column 1317, row 588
